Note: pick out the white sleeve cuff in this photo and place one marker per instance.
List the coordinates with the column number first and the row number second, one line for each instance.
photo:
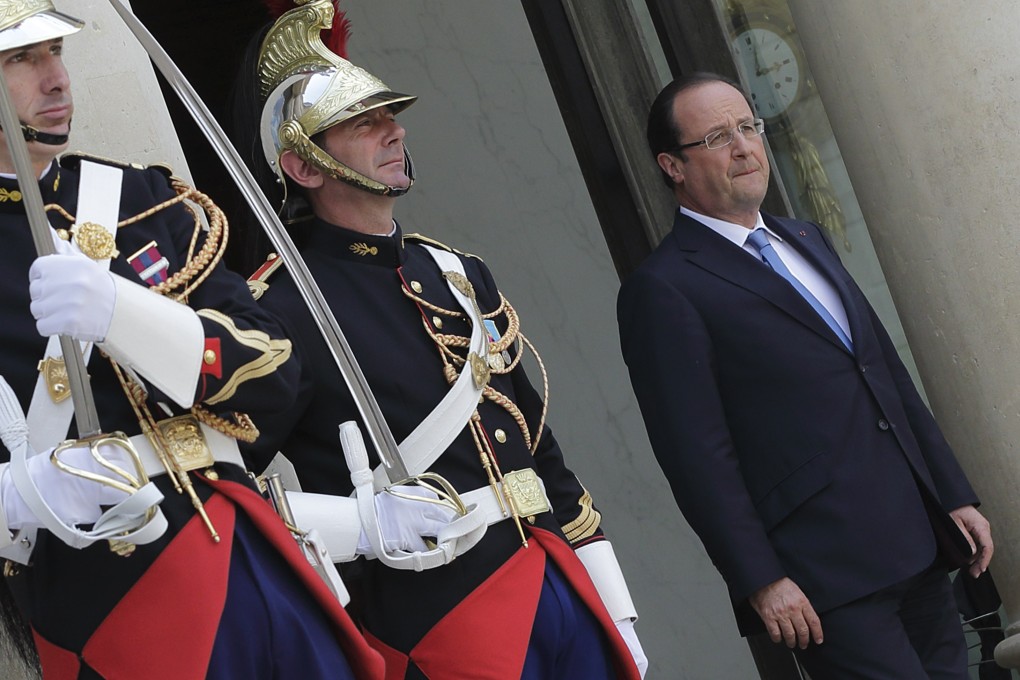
column 15, row 546
column 336, row 518
column 161, row 339
column 603, row 568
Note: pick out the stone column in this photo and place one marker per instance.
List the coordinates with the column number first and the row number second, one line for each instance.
column 923, row 98
column 119, row 108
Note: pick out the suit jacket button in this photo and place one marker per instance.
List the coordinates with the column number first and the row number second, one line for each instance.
column 864, row 369
column 883, row 424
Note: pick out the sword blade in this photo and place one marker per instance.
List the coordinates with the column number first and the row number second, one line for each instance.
column 85, row 414
column 375, row 423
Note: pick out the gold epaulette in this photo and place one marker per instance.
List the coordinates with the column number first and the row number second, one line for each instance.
column 72, row 159
column 419, row 238
column 258, row 282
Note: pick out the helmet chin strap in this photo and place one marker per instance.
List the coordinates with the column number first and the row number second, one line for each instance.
column 409, row 171
column 293, row 138
column 32, row 134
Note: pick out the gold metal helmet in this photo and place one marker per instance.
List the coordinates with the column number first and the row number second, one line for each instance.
column 26, row 22
column 307, row 89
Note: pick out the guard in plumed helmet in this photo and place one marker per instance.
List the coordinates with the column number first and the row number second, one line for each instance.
column 540, row 595
column 144, row 551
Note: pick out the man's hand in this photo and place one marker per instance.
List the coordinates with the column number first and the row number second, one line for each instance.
column 787, row 613
column 979, row 534
column 71, row 295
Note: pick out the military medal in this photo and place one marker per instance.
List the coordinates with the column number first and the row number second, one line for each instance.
column 497, row 360
column 149, row 264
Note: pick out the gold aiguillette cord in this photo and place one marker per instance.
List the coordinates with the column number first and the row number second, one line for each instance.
column 181, row 479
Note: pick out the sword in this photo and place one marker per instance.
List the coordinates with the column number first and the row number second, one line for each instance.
column 85, row 413
column 375, row 423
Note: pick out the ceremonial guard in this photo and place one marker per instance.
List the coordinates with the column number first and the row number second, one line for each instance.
column 540, row 595
column 189, row 574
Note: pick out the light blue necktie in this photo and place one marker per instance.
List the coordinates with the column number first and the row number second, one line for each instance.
column 760, row 240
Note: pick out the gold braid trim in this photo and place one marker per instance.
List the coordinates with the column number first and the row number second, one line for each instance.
column 501, row 399
column 242, row 429
column 587, row 522
column 201, row 265
column 545, row 391
column 271, row 353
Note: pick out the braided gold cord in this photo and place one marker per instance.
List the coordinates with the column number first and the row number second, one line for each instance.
column 428, row 305
column 196, row 222
column 545, row 391
column 500, row 399
column 242, row 429
column 124, row 223
column 488, row 458
column 446, row 344
column 202, row 264
column 499, row 310
column 153, row 210
column 513, row 325
column 56, row 207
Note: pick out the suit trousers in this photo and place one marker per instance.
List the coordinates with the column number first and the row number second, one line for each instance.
column 909, row 631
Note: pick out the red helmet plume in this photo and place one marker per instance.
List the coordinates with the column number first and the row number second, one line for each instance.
column 335, row 39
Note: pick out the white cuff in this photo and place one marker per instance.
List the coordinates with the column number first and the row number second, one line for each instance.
column 14, row 545
column 603, row 568
column 161, row 339
column 336, row 519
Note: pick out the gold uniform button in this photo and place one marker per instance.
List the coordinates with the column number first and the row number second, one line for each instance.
column 209, row 357
column 500, row 436
column 416, row 287
column 437, row 322
column 63, row 234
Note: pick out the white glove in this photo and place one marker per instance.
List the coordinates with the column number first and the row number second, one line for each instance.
column 403, row 522
column 629, row 635
column 73, row 499
column 71, row 295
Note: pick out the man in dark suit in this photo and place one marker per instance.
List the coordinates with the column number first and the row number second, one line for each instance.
column 792, row 435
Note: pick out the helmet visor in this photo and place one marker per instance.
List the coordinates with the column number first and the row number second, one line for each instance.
column 38, row 28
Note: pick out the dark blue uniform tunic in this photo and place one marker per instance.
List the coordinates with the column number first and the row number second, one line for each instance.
column 365, row 280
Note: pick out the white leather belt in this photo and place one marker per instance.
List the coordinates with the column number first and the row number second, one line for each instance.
column 485, row 499
column 224, row 450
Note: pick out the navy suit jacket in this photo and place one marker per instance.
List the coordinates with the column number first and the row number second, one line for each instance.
column 788, row 454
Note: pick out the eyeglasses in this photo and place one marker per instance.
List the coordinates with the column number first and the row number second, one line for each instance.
column 720, row 138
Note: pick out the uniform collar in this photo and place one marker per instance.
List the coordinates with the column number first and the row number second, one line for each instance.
column 11, row 198
column 335, row 241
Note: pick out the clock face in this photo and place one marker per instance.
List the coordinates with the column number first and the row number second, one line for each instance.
column 771, row 67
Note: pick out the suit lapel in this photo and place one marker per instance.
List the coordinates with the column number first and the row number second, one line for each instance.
column 710, row 251
column 810, row 243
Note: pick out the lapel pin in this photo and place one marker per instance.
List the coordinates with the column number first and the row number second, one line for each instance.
column 803, row 233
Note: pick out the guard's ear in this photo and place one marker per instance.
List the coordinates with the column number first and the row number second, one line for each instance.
column 672, row 166
column 301, row 171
